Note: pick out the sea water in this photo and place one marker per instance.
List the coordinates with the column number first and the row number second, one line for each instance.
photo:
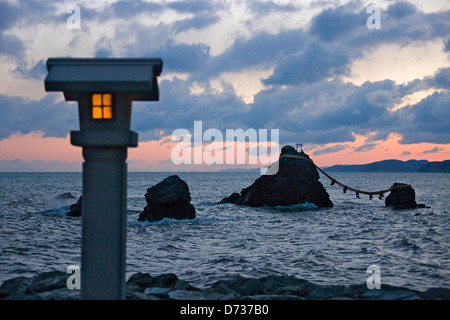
column 328, row 246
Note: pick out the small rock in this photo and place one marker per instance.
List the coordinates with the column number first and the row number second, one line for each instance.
column 49, row 281
column 402, row 198
column 158, row 292
column 187, row 295
column 17, row 286
column 75, row 209
column 60, row 294
column 438, row 293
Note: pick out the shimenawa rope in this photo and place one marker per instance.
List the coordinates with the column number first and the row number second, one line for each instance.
column 380, row 193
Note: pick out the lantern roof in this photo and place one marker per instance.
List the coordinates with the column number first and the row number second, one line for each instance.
column 73, row 76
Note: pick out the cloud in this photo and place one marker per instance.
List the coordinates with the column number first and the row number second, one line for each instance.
column 332, row 149
column 401, row 10
column 305, row 96
column 434, row 150
column 366, row 147
column 315, row 63
column 129, row 9
column 9, row 14
column 265, row 7
column 18, row 165
column 38, row 71
column 382, row 98
column 262, row 49
column 441, row 79
column 426, row 121
column 178, row 108
column 194, row 6
column 54, row 118
column 200, row 21
column 337, row 23
column 447, row 45
column 405, row 153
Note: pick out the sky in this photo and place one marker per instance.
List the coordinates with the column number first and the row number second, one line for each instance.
column 314, row 70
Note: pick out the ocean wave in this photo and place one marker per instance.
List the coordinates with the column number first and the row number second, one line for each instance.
column 307, row 206
column 61, row 211
column 167, row 221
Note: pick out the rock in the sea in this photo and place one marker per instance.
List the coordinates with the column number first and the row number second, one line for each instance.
column 75, row 209
column 64, row 196
column 296, row 182
column 402, row 198
column 168, row 199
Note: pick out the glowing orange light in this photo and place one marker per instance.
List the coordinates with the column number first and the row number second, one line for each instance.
column 102, row 106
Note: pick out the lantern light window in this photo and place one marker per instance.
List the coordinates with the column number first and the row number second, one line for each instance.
column 102, row 106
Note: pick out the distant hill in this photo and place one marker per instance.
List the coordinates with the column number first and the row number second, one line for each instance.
column 436, row 166
column 381, row 166
column 240, row 170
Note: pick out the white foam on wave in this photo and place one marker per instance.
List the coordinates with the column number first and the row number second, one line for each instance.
column 61, row 211
column 299, row 206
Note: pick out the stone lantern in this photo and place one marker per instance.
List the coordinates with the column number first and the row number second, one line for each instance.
column 104, row 89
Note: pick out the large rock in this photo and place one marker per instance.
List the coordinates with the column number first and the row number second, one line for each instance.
column 168, row 199
column 296, row 182
column 402, row 198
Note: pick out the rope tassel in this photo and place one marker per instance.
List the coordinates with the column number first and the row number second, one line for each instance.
column 345, row 189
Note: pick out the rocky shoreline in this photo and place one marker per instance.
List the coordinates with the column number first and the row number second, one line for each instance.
column 142, row 286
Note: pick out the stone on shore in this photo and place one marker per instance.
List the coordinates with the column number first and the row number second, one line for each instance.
column 295, row 182
column 142, row 286
column 402, row 198
column 168, row 199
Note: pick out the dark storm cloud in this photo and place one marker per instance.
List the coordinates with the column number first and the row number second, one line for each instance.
column 426, row 121
column 336, row 24
column 441, row 79
column 305, row 97
column 317, row 62
column 400, row 10
column 182, row 57
column 178, row 108
column 9, row 14
column 9, row 44
column 24, row 116
column 260, row 50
